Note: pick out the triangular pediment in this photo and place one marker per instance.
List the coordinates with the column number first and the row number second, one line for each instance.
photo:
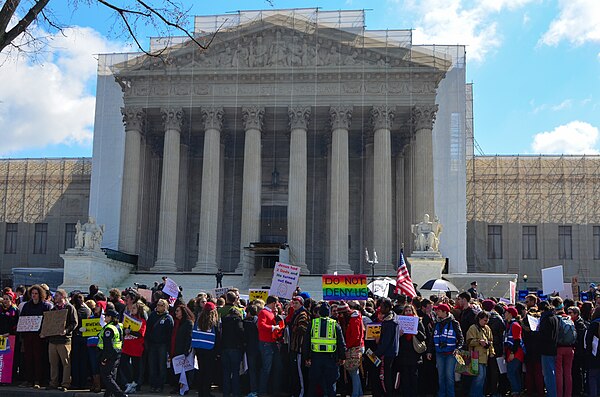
column 274, row 43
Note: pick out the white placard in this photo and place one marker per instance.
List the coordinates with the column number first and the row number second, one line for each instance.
column 552, row 280
column 171, row 288
column 285, row 280
column 567, row 292
column 183, row 363
column 534, row 322
column 217, row 292
column 29, row 323
column 512, row 291
column 408, row 324
column 501, row 364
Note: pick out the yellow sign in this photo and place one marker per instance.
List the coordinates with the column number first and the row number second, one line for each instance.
column 373, row 331
column 131, row 323
column 258, row 294
column 3, row 343
column 92, row 327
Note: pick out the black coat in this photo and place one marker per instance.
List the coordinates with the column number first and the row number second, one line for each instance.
column 406, row 352
column 548, row 333
column 592, row 361
column 580, row 326
column 183, row 338
column 497, row 326
column 232, row 332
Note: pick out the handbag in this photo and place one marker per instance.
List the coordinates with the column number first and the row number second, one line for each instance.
column 471, row 363
column 353, row 358
column 420, row 347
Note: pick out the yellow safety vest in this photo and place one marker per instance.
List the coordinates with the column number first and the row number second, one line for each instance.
column 117, row 341
column 323, row 343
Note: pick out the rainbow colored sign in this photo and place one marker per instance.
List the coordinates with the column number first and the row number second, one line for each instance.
column 345, row 287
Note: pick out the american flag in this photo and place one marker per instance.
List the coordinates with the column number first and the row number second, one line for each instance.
column 404, row 284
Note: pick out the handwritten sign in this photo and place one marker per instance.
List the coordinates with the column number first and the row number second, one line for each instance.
column 346, row 287
column 534, row 322
column 145, row 293
column 92, row 327
column 6, row 361
column 258, row 294
column 131, row 323
column 29, row 323
column 183, row 363
column 373, row 331
column 218, row 292
column 54, row 323
column 285, row 280
column 3, row 343
column 408, row 324
column 171, row 288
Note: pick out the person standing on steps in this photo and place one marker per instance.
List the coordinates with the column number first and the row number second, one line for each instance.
column 219, row 277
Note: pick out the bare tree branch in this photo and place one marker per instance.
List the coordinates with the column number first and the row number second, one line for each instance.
column 8, row 37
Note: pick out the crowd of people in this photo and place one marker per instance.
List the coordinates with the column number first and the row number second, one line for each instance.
column 302, row 347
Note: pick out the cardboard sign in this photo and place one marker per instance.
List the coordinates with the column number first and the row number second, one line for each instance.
column 285, row 280
column 131, row 323
column 6, row 360
column 54, row 323
column 3, row 343
column 373, row 331
column 145, row 293
column 374, row 359
column 92, row 327
column 345, row 287
column 553, row 279
column 409, row 324
column 29, row 323
column 171, row 288
column 575, row 285
column 258, row 294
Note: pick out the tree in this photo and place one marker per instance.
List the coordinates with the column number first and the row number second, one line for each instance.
column 167, row 17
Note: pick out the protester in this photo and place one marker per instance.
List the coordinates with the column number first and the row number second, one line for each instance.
column 549, row 329
column 251, row 347
column 181, row 343
column 591, row 353
column 133, row 349
column 387, row 347
column 267, row 343
column 232, row 345
column 298, row 326
column 206, row 352
column 158, row 336
column 579, row 368
column 79, row 350
column 446, row 340
column 408, row 357
column 9, row 315
column 565, row 351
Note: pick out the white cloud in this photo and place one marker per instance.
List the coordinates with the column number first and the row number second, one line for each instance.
column 566, row 104
column 48, row 102
column 576, row 137
column 577, row 23
column 461, row 22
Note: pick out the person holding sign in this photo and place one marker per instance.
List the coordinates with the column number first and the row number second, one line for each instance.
column 181, row 339
column 408, row 357
column 79, row 352
column 387, row 346
column 34, row 346
column 110, row 344
column 480, row 339
column 9, row 315
column 133, row 346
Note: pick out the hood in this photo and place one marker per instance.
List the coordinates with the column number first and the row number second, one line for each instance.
column 445, row 320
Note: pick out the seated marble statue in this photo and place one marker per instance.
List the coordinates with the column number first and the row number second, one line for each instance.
column 426, row 234
column 88, row 236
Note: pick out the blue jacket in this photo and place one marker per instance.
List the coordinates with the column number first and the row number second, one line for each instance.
column 447, row 335
column 389, row 341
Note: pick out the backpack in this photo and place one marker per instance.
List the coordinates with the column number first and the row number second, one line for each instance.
column 567, row 336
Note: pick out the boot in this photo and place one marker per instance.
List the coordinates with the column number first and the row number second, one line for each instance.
column 96, row 386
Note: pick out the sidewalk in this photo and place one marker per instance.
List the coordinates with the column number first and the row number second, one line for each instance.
column 15, row 391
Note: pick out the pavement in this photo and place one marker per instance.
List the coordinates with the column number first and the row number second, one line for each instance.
column 15, row 391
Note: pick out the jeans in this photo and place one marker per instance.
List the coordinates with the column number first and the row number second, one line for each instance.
column 549, row 371
column 267, row 351
column 479, row 381
column 253, row 368
column 564, row 365
column 513, row 370
column 323, row 371
column 356, row 383
column 157, row 361
column 445, row 365
column 230, row 360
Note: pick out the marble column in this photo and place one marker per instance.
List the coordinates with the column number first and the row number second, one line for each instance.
column 381, row 118
column 169, row 191
column 252, row 117
column 423, row 118
column 340, row 191
column 209, row 201
column 299, row 116
column 134, row 119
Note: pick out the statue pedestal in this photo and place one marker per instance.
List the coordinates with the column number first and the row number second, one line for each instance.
column 85, row 267
column 425, row 266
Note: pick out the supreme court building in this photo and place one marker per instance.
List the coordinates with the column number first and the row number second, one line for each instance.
column 296, row 132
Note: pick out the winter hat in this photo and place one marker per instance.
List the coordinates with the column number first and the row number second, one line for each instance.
column 324, row 309
column 343, row 307
column 513, row 311
column 209, row 306
column 488, row 305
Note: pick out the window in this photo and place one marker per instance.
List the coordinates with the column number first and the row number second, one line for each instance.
column 10, row 240
column 565, row 242
column 494, row 242
column 41, row 238
column 596, row 230
column 529, row 242
column 70, row 232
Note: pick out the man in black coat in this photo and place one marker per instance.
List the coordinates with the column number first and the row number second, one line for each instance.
column 578, row 370
column 549, row 325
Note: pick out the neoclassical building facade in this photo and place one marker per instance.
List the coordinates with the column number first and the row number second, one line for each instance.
column 287, row 136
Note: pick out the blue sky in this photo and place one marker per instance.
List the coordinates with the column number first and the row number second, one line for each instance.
column 535, row 66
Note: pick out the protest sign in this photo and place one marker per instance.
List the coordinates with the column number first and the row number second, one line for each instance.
column 347, row 287
column 553, row 279
column 6, row 360
column 54, row 323
column 374, row 359
column 171, row 288
column 131, row 323
column 534, row 322
column 512, row 291
column 29, row 323
column 258, row 294
column 92, row 326
column 567, row 292
column 146, row 294
column 575, row 285
column 373, row 331
column 3, row 343
column 221, row 291
column 285, row 280
column 409, row 324
column 183, row 363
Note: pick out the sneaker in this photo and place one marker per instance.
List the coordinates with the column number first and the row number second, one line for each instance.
column 36, row 386
column 127, row 388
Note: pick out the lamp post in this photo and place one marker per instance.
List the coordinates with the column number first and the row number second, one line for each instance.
column 525, row 282
column 371, row 262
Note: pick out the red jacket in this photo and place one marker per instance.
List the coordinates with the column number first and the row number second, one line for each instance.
column 355, row 334
column 133, row 344
column 265, row 323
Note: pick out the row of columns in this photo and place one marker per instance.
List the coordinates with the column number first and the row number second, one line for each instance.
column 252, row 116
